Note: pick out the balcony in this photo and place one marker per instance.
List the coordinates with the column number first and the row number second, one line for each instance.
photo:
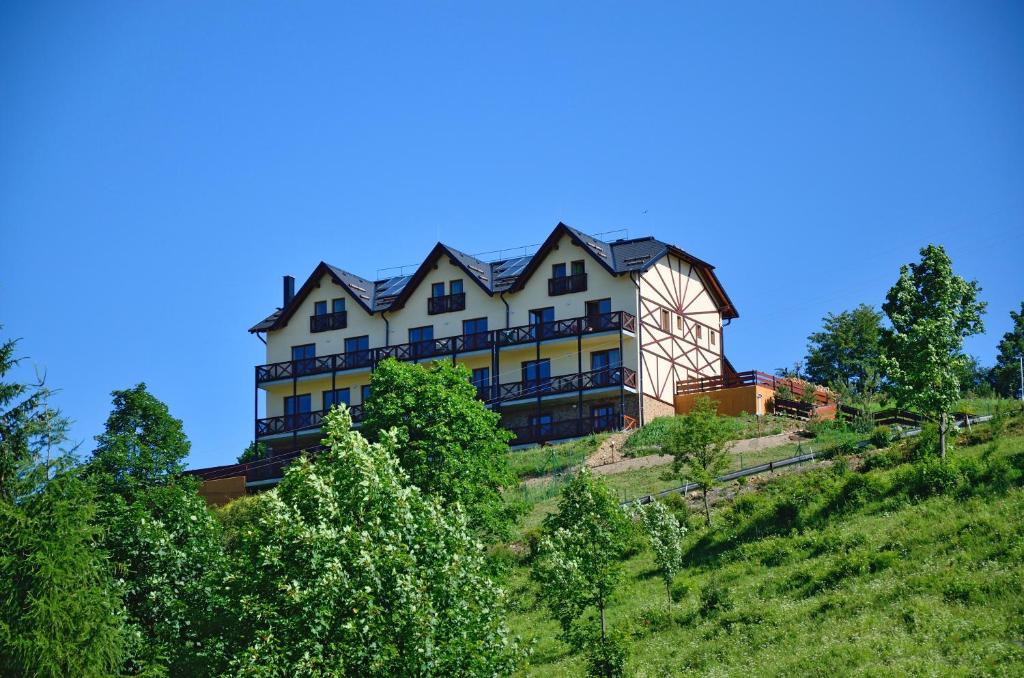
column 447, row 346
column 570, row 428
column 446, row 304
column 568, row 383
column 328, row 321
column 567, row 284
column 297, row 423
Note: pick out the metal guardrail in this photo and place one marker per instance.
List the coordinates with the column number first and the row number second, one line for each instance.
column 780, row 463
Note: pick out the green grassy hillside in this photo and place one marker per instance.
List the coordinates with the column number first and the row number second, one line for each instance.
column 893, row 569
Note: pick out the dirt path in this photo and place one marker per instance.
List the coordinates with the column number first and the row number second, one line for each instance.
column 611, row 461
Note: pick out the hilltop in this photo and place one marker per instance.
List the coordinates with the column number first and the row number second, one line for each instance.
column 868, row 565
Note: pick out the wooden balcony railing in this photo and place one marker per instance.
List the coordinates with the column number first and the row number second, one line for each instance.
column 303, row 421
column 567, row 284
column 568, row 383
column 567, row 428
column 446, row 303
column 328, row 321
column 446, row 346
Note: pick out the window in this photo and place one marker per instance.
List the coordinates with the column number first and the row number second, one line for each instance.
column 540, row 424
column 455, row 287
column 320, row 308
column 437, row 290
column 697, row 331
column 303, row 352
column 481, row 379
column 542, row 321
column 603, row 364
column 475, row 334
column 422, row 340
column 558, row 271
column 357, row 344
column 665, row 326
column 474, row 326
column 536, row 376
column 598, row 310
column 578, row 267
column 332, row 398
column 297, row 411
column 679, row 323
column 364, row 392
column 602, row 417
column 714, row 339
column 338, row 306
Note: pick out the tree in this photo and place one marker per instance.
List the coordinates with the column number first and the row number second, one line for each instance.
column 59, row 611
column 845, row 354
column 142, row 445
column 698, row 445
column 665, row 535
column 449, row 443
column 163, row 542
column 348, row 569
column 1006, row 373
column 931, row 311
column 579, row 556
column 254, row 451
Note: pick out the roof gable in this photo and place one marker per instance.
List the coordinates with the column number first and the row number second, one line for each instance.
column 478, row 271
column 599, row 250
column 359, row 289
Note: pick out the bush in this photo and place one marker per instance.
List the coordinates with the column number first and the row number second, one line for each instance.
column 882, row 460
column 928, row 477
column 861, row 489
column 926, row 443
column 606, row 658
column 714, row 598
column 881, row 436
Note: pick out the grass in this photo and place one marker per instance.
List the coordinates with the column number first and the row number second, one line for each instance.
column 651, row 437
column 549, row 459
column 906, row 569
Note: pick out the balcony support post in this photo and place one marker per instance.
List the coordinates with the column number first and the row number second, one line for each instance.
column 622, row 384
column 536, row 369
column 255, row 411
column 579, row 372
column 496, row 376
column 295, row 389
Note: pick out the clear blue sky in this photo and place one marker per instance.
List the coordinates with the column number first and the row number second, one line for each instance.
column 163, row 164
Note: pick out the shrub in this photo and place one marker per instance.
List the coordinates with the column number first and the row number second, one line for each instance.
column 606, row 658
column 882, row 460
column 861, row 489
column 881, row 436
column 714, row 598
column 928, row 477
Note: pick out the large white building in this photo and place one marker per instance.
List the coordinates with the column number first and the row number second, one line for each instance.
column 583, row 335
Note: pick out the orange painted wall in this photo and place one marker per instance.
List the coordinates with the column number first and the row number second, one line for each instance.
column 222, row 490
column 731, row 401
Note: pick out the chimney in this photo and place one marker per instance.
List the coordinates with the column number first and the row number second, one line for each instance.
column 289, row 290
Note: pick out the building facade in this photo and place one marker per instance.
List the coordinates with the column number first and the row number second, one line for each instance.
column 583, row 335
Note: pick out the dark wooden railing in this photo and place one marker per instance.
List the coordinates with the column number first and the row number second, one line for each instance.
column 446, row 303
column 463, row 343
column 289, row 423
column 568, row 383
column 567, row 428
column 328, row 321
column 567, row 284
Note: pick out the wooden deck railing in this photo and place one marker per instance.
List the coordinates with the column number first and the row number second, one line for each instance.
column 749, row 378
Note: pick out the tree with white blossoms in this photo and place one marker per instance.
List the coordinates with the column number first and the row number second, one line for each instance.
column 932, row 310
column 665, row 535
column 348, row 569
column 579, row 560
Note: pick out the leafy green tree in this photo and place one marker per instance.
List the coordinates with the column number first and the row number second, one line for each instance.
column 845, row 354
column 1006, row 373
column 142, row 445
column 975, row 379
column 347, row 569
column 449, row 443
column 931, row 310
column 254, row 451
column 579, row 556
column 698, row 445
column 163, row 542
column 60, row 614
column 665, row 535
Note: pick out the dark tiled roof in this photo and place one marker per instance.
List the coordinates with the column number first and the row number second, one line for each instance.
column 618, row 257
